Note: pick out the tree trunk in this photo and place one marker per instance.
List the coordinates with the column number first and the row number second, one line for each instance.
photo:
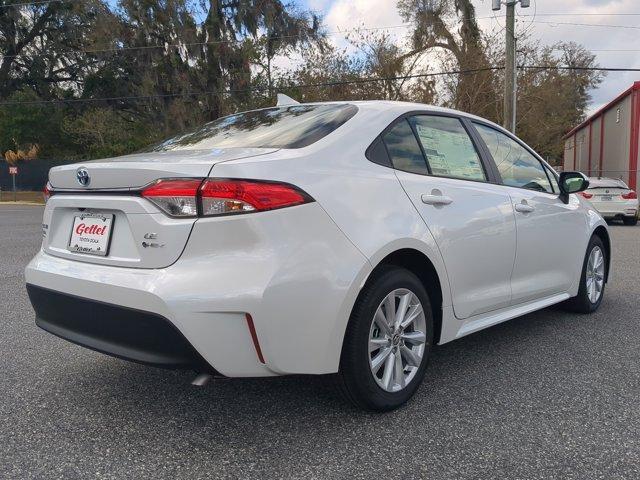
column 213, row 28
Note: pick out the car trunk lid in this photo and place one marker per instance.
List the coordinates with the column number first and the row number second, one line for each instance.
column 139, row 234
column 137, row 170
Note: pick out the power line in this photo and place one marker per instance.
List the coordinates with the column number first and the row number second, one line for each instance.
column 583, row 15
column 586, row 69
column 576, row 24
column 283, row 37
column 315, row 85
column 215, row 42
column 222, row 42
column 229, row 91
column 25, row 4
column 614, row 50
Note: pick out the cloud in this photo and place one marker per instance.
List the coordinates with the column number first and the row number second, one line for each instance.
column 349, row 14
column 346, row 14
column 319, row 5
column 579, row 22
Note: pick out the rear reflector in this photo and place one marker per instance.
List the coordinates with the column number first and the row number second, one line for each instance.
column 176, row 197
column 586, row 195
column 224, row 196
column 46, row 192
column 630, row 196
column 254, row 337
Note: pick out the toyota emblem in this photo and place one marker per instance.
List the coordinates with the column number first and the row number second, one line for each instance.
column 82, row 175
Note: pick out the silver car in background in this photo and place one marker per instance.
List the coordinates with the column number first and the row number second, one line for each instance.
column 613, row 199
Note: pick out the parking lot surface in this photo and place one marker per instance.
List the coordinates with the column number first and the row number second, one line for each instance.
column 548, row 395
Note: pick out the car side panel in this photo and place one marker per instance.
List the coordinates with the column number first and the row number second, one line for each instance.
column 366, row 202
column 552, row 241
column 476, row 235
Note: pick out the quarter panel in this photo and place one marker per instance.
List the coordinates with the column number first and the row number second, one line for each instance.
column 365, row 200
column 293, row 270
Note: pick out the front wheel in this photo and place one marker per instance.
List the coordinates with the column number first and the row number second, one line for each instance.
column 387, row 342
column 592, row 279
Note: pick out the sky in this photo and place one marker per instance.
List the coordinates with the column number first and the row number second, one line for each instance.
column 549, row 21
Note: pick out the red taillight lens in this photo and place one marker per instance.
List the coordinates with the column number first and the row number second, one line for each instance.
column 586, row 195
column 224, row 196
column 176, row 197
column 46, row 192
column 630, row 196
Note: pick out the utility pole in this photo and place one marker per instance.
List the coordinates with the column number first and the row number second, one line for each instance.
column 510, row 73
column 509, row 115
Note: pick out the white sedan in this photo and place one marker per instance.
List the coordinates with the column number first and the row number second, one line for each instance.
column 613, row 199
column 338, row 238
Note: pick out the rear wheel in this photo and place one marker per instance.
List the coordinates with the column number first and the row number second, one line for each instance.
column 592, row 279
column 388, row 341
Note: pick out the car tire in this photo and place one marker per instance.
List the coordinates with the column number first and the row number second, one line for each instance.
column 364, row 379
column 631, row 221
column 585, row 302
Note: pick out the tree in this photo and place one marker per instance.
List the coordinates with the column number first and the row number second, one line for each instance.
column 24, row 124
column 42, row 44
column 450, row 26
column 103, row 132
column 551, row 101
column 116, row 75
column 223, row 56
column 150, row 73
column 379, row 68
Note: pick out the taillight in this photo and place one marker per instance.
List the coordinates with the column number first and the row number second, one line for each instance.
column 46, row 192
column 192, row 197
column 586, row 195
column 225, row 196
column 176, row 197
column 630, row 196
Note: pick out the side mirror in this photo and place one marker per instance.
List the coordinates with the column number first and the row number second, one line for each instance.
column 572, row 182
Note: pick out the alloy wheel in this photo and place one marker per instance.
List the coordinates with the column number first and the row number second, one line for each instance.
column 397, row 340
column 595, row 275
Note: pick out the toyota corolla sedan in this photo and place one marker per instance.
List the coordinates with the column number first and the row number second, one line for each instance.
column 340, row 238
column 613, row 199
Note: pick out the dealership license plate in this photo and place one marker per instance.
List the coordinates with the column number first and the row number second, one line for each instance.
column 606, row 198
column 91, row 233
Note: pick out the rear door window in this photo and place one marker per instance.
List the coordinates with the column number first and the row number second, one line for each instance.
column 403, row 148
column 448, row 148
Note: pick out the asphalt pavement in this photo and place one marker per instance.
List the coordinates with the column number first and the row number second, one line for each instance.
column 549, row 395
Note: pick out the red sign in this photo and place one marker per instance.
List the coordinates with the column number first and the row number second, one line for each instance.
column 94, row 229
column 13, row 170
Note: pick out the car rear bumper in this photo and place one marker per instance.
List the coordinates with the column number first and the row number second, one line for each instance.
column 617, row 209
column 122, row 332
column 254, row 295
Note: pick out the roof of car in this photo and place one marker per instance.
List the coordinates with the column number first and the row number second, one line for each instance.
column 403, row 107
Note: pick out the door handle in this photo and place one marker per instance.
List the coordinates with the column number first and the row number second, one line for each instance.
column 524, row 208
column 436, row 199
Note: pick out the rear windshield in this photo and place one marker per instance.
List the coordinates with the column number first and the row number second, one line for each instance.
column 607, row 183
column 295, row 126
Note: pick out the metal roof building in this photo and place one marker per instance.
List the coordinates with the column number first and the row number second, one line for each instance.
column 606, row 143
